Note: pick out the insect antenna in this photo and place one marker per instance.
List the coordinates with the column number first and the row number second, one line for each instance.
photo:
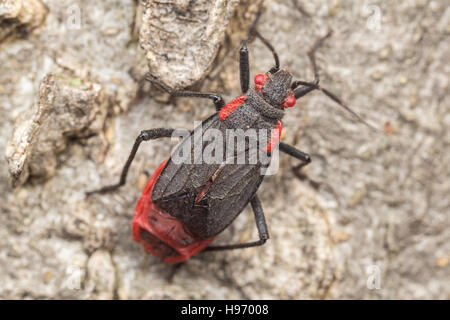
column 276, row 67
column 310, row 86
column 255, row 33
column 307, row 87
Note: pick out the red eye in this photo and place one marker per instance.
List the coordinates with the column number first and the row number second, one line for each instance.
column 289, row 101
column 260, row 79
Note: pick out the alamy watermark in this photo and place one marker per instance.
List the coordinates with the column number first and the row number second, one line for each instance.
column 373, row 277
column 74, row 278
column 373, row 14
column 229, row 146
column 73, row 21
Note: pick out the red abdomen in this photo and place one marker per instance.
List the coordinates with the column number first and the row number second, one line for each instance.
column 159, row 232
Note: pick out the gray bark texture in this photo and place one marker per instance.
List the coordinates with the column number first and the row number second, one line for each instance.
column 367, row 219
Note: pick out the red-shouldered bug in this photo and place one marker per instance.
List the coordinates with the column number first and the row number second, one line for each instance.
column 184, row 206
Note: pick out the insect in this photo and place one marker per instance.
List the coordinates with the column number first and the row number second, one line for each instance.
column 184, row 206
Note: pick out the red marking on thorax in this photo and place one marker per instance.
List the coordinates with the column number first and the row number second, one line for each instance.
column 275, row 137
column 159, row 232
column 230, row 107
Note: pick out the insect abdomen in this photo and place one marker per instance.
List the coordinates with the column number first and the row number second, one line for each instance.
column 159, row 232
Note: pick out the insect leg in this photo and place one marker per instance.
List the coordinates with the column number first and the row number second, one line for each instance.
column 143, row 136
column 244, row 69
column 174, row 270
column 260, row 225
column 297, row 154
column 215, row 97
